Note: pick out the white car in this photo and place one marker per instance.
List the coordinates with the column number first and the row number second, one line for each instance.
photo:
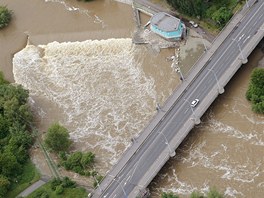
column 193, row 24
column 194, row 102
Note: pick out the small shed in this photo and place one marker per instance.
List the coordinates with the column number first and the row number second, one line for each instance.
column 167, row 26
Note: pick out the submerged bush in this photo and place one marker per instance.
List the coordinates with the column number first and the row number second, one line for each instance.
column 255, row 92
column 5, row 16
column 78, row 162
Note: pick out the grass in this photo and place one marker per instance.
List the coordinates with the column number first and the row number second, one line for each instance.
column 67, row 193
column 29, row 176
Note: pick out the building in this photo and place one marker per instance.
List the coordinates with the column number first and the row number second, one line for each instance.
column 167, row 26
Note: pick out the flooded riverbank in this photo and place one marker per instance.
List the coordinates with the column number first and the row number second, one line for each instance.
column 225, row 151
column 104, row 89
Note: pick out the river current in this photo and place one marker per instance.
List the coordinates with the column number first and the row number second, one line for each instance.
column 83, row 71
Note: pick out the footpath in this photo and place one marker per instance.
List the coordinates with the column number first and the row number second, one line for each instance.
column 33, row 187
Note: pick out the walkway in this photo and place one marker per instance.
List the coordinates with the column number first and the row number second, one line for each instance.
column 33, row 187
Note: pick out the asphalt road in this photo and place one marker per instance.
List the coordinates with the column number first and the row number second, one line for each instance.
column 158, row 141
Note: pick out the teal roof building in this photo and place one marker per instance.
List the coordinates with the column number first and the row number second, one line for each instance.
column 167, row 26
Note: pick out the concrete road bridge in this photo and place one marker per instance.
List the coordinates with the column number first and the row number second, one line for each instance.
column 158, row 141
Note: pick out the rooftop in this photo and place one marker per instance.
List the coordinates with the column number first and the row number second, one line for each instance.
column 165, row 22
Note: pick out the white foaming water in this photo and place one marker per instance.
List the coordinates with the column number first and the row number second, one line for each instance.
column 253, row 137
column 219, row 161
column 230, row 192
column 105, row 95
column 256, row 119
column 182, row 187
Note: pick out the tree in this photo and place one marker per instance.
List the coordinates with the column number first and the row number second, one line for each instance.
column 3, row 127
column 58, row 138
column 213, row 193
column 221, row 16
column 255, row 92
column 77, row 162
column 15, row 138
column 2, row 79
column 5, row 16
column 59, row 190
column 196, row 195
column 87, row 159
column 74, row 160
column 4, row 184
column 169, row 195
column 8, row 164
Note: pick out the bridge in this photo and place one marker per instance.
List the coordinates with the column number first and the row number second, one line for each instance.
column 158, row 141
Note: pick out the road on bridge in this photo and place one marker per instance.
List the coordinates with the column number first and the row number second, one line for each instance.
column 128, row 181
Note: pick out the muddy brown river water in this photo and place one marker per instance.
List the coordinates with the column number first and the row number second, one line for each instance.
column 104, row 89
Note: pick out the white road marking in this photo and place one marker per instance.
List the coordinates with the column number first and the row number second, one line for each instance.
column 241, row 37
column 246, row 39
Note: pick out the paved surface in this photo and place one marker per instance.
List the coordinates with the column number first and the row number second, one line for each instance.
column 33, row 187
column 150, row 8
column 143, row 160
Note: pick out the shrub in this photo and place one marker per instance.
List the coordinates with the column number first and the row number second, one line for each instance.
column 77, row 162
column 97, row 179
column 5, row 16
column 196, row 195
column 221, row 16
column 78, row 169
column 67, row 183
column 59, row 190
column 54, row 183
column 87, row 159
column 41, row 194
column 255, row 92
column 213, row 193
column 4, row 184
column 58, row 138
column 62, row 155
column 169, row 195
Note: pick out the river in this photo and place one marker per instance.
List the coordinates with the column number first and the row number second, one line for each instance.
column 83, row 71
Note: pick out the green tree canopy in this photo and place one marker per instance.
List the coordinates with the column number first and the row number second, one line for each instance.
column 58, row 138
column 169, row 195
column 213, row 193
column 8, row 164
column 221, row 16
column 255, row 92
column 15, row 138
column 78, row 162
column 5, row 16
column 4, row 184
column 196, row 194
column 216, row 11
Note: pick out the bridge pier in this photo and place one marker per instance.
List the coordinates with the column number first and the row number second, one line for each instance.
column 196, row 120
column 244, row 61
column 173, row 153
column 221, row 90
column 144, row 193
